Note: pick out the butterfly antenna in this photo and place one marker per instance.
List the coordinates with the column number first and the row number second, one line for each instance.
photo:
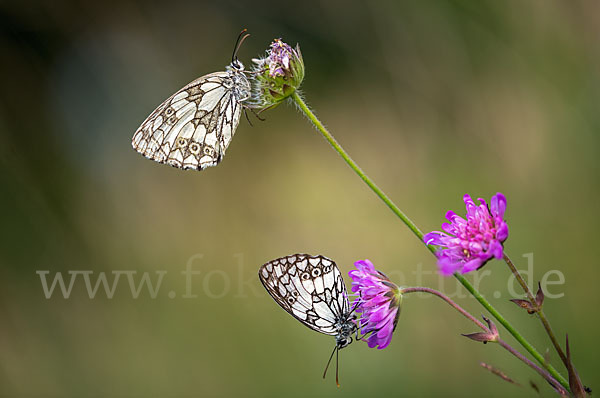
column 243, row 36
column 337, row 379
column 328, row 362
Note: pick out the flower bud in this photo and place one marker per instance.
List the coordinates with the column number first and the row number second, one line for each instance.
column 276, row 76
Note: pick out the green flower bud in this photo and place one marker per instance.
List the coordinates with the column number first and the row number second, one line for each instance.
column 276, row 76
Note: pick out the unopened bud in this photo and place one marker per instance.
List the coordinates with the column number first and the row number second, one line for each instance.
column 277, row 76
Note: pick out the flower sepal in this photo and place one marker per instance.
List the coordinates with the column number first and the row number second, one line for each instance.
column 485, row 337
column 532, row 307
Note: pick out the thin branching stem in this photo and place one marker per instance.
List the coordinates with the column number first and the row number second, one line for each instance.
column 544, row 373
column 540, row 311
column 417, row 232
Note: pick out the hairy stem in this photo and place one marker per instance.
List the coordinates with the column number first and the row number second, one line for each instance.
column 539, row 311
column 453, row 304
column 417, row 232
column 545, row 374
column 338, row 148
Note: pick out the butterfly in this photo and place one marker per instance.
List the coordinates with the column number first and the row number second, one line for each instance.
column 312, row 290
column 193, row 128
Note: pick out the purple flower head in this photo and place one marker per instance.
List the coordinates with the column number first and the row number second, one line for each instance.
column 276, row 76
column 279, row 58
column 378, row 304
column 469, row 244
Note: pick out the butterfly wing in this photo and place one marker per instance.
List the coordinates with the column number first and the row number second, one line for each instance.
column 310, row 288
column 193, row 128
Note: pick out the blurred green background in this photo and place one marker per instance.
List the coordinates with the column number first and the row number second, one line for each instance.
column 432, row 99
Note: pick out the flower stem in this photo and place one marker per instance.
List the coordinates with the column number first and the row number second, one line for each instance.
column 417, row 232
column 338, row 148
column 546, row 375
column 508, row 326
column 453, row 304
column 540, row 311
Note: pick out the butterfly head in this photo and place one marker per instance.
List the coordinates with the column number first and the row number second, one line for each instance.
column 345, row 328
column 236, row 65
column 343, row 341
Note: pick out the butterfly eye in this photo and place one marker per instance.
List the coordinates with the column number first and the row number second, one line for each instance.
column 291, row 300
column 237, row 64
column 343, row 342
column 305, row 276
column 316, row 272
column 169, row 111
column 295, row 293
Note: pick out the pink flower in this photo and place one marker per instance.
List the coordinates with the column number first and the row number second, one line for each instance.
column 279, row 58
column 275, row 76
column 379, row 303
column 469, row 244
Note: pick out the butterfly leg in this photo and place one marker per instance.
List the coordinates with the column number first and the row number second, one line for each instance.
column 262, row 119
column 255, row 72
column 247, row 118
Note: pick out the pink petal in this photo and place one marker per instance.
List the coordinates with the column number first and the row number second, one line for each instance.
column 447, row 266
column 498, row 206
column 471, row 265
column 502, row 232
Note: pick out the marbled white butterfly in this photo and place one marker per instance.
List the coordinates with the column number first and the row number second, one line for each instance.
column 312, row 290
column 193, row 128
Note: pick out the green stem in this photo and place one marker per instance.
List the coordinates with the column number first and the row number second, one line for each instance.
column 415, row 230
column 508, row 326
column 355, row 167
column 546, row 375
column 539, row 310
